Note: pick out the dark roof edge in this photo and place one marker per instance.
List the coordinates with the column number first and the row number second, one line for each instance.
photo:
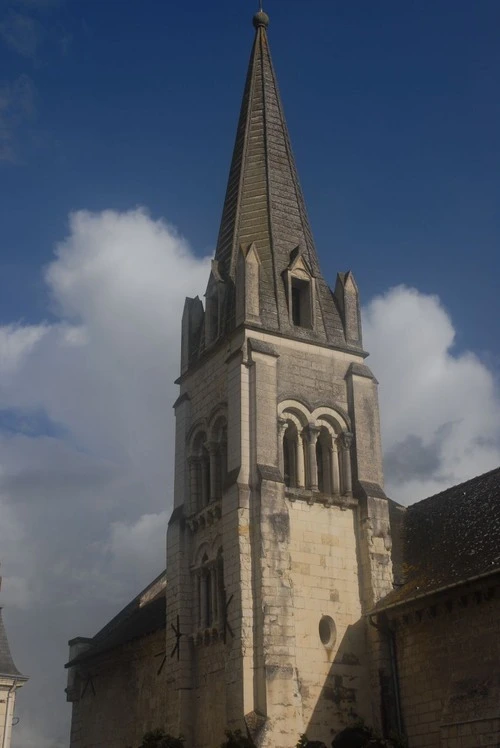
column 131, row 606
column 15, row 677
column 421, row 595
column 453, row 488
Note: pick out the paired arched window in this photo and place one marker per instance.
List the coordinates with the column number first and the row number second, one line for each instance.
column 208, row 465
column 315, row 449
column 209, row 592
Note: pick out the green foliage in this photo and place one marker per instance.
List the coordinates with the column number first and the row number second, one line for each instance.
column 160, row 739
column 236, row 739
column 356, row 736
column 304, row 742
column 397, row 741
column 360, row 735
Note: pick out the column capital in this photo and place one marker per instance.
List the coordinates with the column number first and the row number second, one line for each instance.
column 311, row 433
column 282, row 425
column 212, row 447
column 345, row 439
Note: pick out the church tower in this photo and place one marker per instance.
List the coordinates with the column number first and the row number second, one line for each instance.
column 279, row 542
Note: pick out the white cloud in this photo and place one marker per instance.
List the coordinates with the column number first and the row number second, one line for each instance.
column 135, row 545
column 86, row 469
column 16, row 343
column 440, row 409
column 86, row 464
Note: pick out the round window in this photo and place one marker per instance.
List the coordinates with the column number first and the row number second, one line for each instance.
column 327, row 631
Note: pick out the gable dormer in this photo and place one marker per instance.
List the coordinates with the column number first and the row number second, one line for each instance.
column 300, row 290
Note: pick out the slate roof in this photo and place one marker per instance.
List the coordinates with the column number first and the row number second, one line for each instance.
column 144, row 615
column 447, row 539
column 7, row 666
column 264, row 204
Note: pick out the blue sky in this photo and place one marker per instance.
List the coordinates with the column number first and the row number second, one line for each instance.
column 393, row 109
column 105, row 106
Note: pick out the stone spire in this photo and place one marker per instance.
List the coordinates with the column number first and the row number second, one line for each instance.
column 7, row 667
column 264, row 209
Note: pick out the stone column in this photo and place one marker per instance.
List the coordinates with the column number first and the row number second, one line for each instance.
column 213, row 590
column 223, row 465
column 197, row 585
column 334, row 469
column 345, row 444
column 311, row 433
column 301, row 477
column 203, row 598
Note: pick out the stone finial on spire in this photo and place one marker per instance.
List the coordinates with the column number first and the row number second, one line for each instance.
column 261, row 19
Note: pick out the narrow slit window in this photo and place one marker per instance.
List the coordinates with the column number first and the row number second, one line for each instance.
column 301, row 302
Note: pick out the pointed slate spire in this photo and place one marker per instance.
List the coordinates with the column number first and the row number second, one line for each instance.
column 264, row 207
column 7, row 666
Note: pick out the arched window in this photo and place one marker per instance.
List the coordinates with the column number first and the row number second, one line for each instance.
column 316, row 448
column 208, row 613
column 219, row 462
column 199, row 466
column 220, row 596
column 209, row 592
column 205, row 476
column 290, row 447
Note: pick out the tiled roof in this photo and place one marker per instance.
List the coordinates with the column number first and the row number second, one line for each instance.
column 144, row 615
column 264, row 204
column 7, row 666
column 448, row 539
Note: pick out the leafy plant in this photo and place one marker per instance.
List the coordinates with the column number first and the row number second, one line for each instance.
column 236, row 739
column 161, row 739
column 304, row 742
column 361, row 736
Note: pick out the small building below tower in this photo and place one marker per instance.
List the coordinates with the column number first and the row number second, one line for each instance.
column 10, row 681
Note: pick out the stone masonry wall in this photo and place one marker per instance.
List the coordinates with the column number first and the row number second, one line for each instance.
column 129, row 696
column 332, row 681
column 209, row 694
column 6, row 702
column 448, row 656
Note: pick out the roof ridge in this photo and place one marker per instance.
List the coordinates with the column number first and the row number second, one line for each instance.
column 127, row 610
column 455, row 486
